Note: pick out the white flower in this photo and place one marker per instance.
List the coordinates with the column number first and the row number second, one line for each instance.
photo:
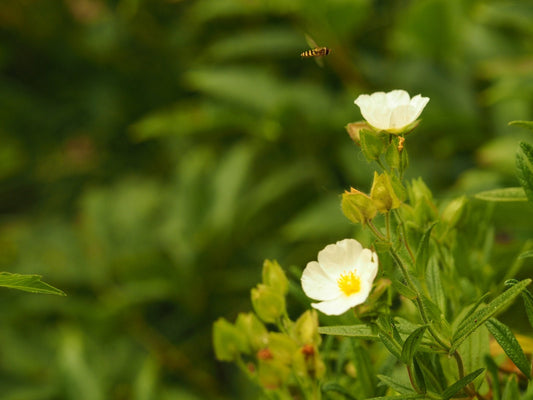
column 392, row 111
column 342, row 278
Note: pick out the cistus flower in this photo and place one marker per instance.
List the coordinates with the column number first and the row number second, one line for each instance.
column 393, row 112
column 341, row 278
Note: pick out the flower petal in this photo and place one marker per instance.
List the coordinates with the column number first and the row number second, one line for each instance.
column 402, row 116
column 419, row 103
column 336, row 306
column 397, row 98
column 367, row 265
column 339, row 257
column 317, row 284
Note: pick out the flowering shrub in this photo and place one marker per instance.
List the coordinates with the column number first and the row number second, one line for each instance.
column 423, row 328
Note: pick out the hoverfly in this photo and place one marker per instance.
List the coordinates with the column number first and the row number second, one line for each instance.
column 316, row 51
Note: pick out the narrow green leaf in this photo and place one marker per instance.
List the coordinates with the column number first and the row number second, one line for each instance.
column 524, row 124
column 511, row 391
column 528, row 304
column 504, row 336
column 526, row 254
column 411, row 344
column 28, row 283
column 404, row 290
column 391, row 345
column 473, row 350
column 395, row 385
column 474, row 321
column 429, row 364
column 460, row 384
column 503, row 195
column 434, row 283
column 335, row 387
column 493, row 370
column 400, row 397
column 422, row 253
column 419, row 377
column 524, row 165
column 361, row 331
column 364, row 369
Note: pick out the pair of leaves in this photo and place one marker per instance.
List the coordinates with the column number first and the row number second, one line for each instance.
column 28, row 283
column 468, row 325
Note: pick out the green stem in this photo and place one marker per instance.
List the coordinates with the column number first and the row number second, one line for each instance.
column 418, row 300
column 377, row 233
column 387, row 223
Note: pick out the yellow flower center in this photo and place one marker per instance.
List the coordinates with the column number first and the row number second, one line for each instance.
column 349, row 283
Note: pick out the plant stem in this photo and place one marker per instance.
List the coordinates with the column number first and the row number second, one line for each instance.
column 378, row 234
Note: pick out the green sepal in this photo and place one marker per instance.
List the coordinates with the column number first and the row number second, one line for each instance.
column 505, row 338
column 371, row 144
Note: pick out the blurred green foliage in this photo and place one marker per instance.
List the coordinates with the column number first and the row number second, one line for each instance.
column 153, row 153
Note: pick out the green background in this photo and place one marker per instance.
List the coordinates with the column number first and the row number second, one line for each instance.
column 153, row 153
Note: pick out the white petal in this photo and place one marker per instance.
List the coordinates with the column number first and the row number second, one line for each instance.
column 343, row 303
column 419, row 103
column 339, row 257
column 397, row 98
column 317, row 284
column 337, row 306
column 402, row 116
column 367, row 265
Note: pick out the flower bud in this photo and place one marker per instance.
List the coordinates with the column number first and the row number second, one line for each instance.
column 268, row 303
column 274, row 277
column 305, row 329
column 357, row 206
column 228, row 341
column 383, row 194
column 354, row 129
column 454, row 211
column 254, row 330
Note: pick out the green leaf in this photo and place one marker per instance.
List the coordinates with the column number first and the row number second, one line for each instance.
column 528, row 304
column 361, row 331
column 525, row 124
column 371, row 144
column 400, row 397
column 419, row 377
column 461, row 383
column 526, row 254
column 475, row 320
column 411, row 344
column 422, row 253
column 503, row 195
column 434, row 283
column 404, row 290
column 511, row 391
column 493, row 370
column 524, row 164
column 335, row 387
column 391, row 345
column 364, row 369
column 28, row 283
column 473, row 350
column 504, row 336
column 395, row 384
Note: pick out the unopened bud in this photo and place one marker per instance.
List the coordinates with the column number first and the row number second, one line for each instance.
column 358, row 207
column 228, row 341
column 305, row 329
column 383, row 194
column 268, row 303
column 255, row 331
column 274, row 277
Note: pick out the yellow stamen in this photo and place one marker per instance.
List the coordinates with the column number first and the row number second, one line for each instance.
column 349, row 283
